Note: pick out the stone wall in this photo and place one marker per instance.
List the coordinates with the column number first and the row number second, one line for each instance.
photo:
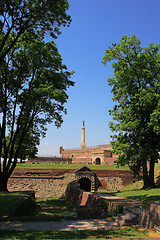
column 49, row 160
column 46, row 182
column 52, row 182
column 150, row 215
column 88, row 204
column 114, row 179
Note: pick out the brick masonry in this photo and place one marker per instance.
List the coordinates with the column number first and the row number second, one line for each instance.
column 150, row 215
column 51, row 183
column 49, row 160
column 98, row 155
column 87, row 204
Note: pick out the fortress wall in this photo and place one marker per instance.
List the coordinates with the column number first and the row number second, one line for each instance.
column 49, row 160
column 82, row 160
column 78, row 152
column 109, row 160
column 52, row 183
column 89, row 155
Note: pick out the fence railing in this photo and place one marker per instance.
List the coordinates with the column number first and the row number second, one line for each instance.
column 78, row 148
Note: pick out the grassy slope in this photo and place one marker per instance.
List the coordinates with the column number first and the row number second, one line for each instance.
column 135, row 191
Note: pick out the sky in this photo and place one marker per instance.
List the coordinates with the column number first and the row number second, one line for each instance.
column 96, row 24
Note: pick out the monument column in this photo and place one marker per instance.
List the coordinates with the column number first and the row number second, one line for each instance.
column 83, row 144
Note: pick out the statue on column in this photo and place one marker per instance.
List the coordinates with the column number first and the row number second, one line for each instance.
column 83, row 144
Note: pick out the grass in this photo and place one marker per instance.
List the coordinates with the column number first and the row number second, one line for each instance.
column 70, row 166
column 134, row 191
column 126, row 232
column 48, row 208
column 52, row 209
column 12, row 200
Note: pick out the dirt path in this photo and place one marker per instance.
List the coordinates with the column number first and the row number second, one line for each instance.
column 66, row 225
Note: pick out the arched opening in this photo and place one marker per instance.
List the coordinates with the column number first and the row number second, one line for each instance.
column 85, row 184
column 98, row 161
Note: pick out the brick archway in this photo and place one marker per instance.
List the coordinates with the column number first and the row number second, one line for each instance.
column 85, row 184
column 98, row 161
column 87, row 179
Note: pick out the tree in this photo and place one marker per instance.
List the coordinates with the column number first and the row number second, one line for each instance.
column 33, row 79
column 136, row 115
column 18, row 17
column 28, row 148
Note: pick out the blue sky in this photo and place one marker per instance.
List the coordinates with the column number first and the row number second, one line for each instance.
column 96, row 24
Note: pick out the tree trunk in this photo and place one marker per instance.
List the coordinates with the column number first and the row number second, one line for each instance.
column 3, row 182
column 151, row 173
column 145, row 175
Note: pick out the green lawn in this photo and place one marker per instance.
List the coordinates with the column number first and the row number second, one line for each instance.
column 48, row 208
column 83, row 234
column 52, row 209
column 134, row 191
column 12, row 200
column 70, row 166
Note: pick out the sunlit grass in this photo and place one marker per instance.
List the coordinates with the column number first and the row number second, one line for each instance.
column 135, row 191
column 126, row 232
column 70, row 166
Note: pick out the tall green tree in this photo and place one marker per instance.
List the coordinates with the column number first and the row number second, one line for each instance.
column 18, row 17
column 136, row 114
column 29, row 146
column 33, row 79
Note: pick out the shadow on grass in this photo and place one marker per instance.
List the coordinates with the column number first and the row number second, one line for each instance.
column 53, row 207
column 146, row 198
column 82, row 234
column 158, row 181
column 139, row 194
column 11, row 200
column 46, row 210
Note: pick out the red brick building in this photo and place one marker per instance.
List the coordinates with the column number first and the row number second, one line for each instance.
column 96, row 155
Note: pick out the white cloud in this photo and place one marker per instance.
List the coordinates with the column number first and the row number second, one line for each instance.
column 47, row 144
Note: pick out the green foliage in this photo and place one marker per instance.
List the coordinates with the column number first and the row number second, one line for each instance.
column 25, row 18
column 33, row 79
column 28, row 148
column 136, row 115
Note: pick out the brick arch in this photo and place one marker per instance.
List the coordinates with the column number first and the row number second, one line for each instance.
column 90, row 178
column 98, row 161
column 96, row 156
column 85, row 184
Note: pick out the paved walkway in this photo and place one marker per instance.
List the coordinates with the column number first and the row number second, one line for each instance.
column 96, row 224
column 64, row 225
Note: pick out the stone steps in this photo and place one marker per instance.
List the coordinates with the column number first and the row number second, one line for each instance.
column 126, row 219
